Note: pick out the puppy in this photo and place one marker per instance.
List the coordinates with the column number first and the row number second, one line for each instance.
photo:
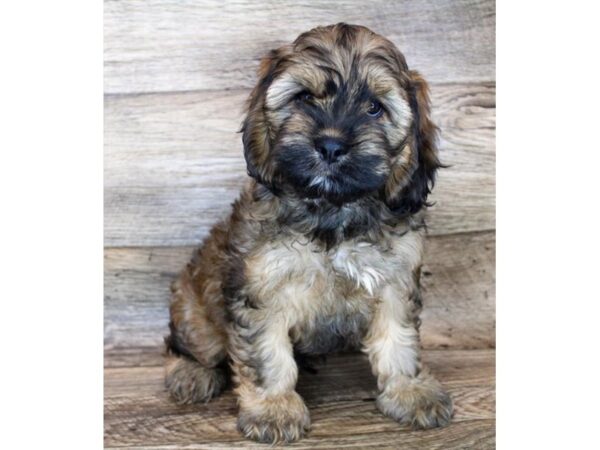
column 323, row 249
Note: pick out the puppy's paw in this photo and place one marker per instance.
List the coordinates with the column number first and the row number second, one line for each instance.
column 420, row 402
column 189, row 382
column 282, row 418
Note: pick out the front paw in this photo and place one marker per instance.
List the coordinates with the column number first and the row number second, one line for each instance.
column 281, row 418
column 419, row 401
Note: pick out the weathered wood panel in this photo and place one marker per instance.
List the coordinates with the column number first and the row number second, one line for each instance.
column 161, row 45
column 458, row 289
column 478, row 434
column 476, row 367
column 341, row 377
column 340, row 397
column 174, row 163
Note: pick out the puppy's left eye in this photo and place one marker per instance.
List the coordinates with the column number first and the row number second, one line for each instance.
column 375, row 109
column 305, row 97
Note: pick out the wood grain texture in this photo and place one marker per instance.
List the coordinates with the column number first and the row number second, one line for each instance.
column 341, row 377
column 458, row 290
column 174, row 163
column 162, row 45
column 176, row 76
column 478, row 435
column 340, row 397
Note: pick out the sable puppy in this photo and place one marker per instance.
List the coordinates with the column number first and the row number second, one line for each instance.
column 323, row 249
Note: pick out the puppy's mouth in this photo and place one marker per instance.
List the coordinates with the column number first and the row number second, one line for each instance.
column 348, row 179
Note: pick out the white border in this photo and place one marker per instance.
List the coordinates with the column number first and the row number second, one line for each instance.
column 547, row 164
column 51, row 233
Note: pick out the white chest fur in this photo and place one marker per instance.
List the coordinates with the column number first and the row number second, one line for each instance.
column 360, row 263
column 292, row 265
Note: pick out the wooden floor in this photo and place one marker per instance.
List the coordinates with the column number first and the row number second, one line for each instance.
column 340, row 397
column 175, row 80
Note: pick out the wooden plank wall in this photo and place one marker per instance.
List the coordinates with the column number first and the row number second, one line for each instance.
column 176, row 76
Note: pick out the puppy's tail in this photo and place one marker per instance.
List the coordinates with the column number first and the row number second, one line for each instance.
column 186, row 379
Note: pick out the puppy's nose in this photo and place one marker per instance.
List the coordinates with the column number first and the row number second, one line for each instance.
column 330, row 148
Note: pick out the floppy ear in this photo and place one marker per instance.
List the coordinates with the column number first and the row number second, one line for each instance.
column 409, row 197
column 256, row 133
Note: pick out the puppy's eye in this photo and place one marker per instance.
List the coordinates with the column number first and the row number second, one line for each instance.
column 375, row 109
column 305, row 97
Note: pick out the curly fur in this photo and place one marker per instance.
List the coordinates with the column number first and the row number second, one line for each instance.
column 319, row 254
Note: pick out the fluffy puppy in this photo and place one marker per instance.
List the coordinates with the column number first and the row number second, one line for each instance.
column 323, row 249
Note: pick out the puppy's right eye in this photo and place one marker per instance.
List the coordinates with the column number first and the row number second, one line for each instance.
column 305, row 97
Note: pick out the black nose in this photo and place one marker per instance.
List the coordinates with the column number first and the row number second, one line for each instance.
column 330, row 148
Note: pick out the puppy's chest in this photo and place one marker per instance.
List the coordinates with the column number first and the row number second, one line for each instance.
column 303, row 273
column 327, row 299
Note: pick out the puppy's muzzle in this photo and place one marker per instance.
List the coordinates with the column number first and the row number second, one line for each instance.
column 330, row 149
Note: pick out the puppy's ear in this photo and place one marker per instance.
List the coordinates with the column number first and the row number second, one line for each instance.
column 409, row 187
column 256, row 132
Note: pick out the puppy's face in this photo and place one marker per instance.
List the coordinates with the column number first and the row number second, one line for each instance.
column 337, row 115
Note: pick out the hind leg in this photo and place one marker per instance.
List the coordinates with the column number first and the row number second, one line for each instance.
column 189, row 382
column 196, row 368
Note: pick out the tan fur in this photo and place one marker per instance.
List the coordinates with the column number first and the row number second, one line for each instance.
column 191, row 382
column 419, row 401
column 281, row 418
column 278, row 277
